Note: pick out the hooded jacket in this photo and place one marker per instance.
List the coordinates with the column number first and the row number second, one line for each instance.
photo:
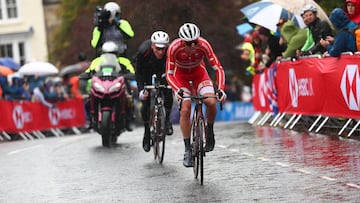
column 344, row 40
column 356, row 16
column 294, row 37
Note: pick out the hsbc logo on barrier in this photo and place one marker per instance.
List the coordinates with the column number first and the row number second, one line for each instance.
column 350, row 86
column 20, row 117
column 293, row 88
column 55, row 115
column 299, row 87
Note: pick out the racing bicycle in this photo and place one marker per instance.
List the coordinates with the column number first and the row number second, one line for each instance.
column 198, row 133
column 157, row 118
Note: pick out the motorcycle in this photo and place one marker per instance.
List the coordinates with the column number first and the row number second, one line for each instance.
column 108, row 99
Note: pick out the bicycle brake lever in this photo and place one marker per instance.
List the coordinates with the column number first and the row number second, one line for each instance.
column 220, row 94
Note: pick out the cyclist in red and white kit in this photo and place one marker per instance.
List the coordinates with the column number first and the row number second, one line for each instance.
column 185, row 63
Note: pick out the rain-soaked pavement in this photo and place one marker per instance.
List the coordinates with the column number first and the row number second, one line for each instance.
column 249, row 164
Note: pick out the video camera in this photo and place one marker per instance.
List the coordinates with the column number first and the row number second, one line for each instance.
column 101, row 16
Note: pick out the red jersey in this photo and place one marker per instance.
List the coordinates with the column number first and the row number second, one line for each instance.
column 179, row 58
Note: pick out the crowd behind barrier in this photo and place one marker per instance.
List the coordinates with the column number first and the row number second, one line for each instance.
column 320, row 91
column 35, row 106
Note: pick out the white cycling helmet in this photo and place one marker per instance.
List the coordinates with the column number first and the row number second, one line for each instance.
column 308, row 7
column 113, row 7
column 189, row 32
column 160, row 39
column 110, row 47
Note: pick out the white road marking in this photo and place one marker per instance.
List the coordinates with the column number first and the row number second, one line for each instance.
column 281, row 164
column 327, row 178
column 353, row 185
column 302, row 171
column 24, row 149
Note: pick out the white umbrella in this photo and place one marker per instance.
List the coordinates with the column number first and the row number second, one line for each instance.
column 38, row 68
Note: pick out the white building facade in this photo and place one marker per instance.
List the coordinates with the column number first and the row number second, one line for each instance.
column 23, row 30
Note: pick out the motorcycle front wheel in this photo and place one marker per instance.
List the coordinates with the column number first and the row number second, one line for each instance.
column 105, row 129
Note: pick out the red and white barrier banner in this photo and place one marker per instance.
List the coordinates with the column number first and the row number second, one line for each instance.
column 327, row 86
column 259, row 93
column 29, row 116
column 301, row 89
column 264, row 94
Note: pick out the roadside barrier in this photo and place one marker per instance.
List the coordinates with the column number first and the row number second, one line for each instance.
column 316, row 92
column 31, row 120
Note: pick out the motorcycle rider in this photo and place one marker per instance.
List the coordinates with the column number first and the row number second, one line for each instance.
column 110, row 52
column 109, row 26
column 150, row 60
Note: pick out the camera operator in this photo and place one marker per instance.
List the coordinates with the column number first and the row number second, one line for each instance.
column 110, row 27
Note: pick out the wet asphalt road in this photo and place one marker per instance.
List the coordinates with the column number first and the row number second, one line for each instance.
column 249, row 164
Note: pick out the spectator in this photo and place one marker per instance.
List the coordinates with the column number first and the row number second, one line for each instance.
column 55, row 91
column 248, row 56
column 19, row 89
column 295, row 38
column 352, row 10
column 38, row 95
column 316, row 29
column 34, row 81
column 4, row 86
column 273, row 49
column 344, row 40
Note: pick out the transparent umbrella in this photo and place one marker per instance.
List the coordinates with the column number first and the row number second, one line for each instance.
column 296, row 6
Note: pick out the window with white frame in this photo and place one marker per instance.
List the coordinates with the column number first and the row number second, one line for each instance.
column 8, row 9
column 6, row 50
column 15, row 49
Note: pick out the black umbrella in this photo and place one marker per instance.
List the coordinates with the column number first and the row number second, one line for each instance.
column 74, row 69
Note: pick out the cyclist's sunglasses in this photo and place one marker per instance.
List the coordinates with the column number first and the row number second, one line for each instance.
column 160, row 48
column 191, row 43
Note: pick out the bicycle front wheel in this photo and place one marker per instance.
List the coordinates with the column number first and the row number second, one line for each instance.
column 195, row 148
column 198, row 148
column 159, row 136
column 201, row 153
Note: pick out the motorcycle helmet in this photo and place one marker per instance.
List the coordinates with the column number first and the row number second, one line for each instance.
column 114, row 9
column 189, row 32
column 110, row 47
column 160, row 39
